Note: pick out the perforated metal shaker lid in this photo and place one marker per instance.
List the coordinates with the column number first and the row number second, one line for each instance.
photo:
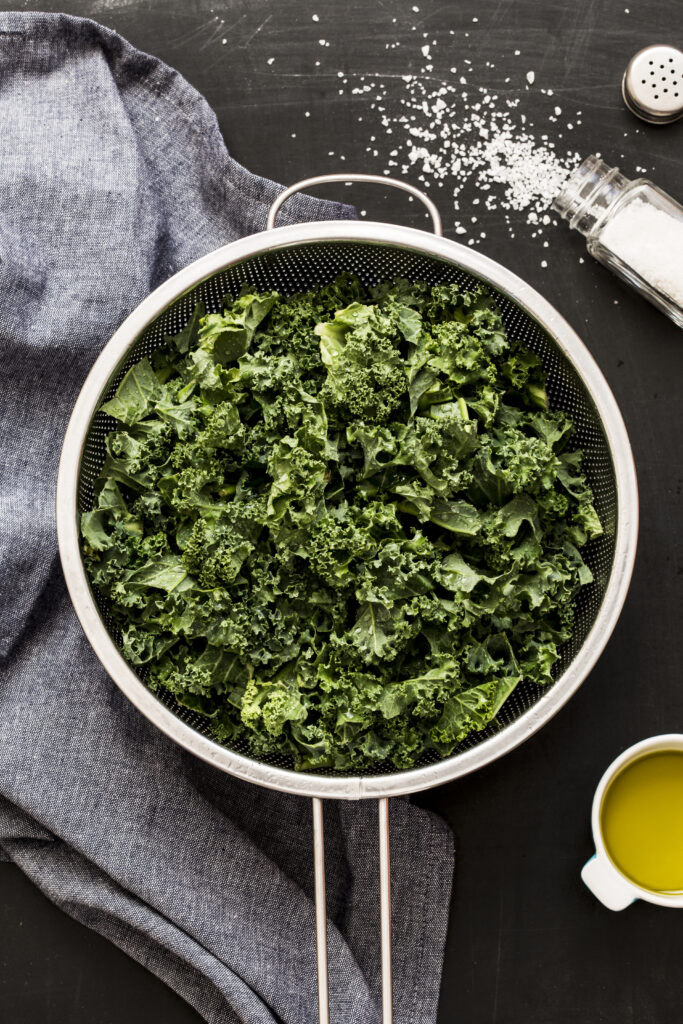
column 652, row 85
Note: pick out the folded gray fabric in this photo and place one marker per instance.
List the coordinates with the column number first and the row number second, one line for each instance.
column 113, row 175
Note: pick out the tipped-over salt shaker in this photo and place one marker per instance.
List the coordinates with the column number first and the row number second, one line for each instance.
column 632, row 227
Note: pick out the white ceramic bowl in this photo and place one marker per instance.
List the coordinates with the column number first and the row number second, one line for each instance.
column 600, row 873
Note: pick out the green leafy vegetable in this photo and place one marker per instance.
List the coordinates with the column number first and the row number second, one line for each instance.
column 343, row 525
column 135, row 394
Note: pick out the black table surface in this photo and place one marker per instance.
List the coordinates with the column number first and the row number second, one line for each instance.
column 527, row 941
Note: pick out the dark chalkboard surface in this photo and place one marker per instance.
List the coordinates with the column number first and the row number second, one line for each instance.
column 527, row 941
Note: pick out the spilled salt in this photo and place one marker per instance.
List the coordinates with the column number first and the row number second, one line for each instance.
column 469, row 139
column 448, row 128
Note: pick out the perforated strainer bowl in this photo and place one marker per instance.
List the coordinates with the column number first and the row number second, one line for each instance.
column 294, row 258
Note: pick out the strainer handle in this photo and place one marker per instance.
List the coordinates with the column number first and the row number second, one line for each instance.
column 321, row 911
column 377, row 179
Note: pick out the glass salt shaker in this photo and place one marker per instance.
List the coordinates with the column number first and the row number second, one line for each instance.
column 632, row 227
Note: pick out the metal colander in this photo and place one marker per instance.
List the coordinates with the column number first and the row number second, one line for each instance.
column 300, row 257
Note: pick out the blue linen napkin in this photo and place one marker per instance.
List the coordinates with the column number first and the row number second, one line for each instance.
column 114, row 175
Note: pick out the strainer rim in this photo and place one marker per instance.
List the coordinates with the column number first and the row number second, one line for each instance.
column 303, row 783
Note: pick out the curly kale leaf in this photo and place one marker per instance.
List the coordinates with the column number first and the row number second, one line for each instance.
column 135, row 394
column 342, row 525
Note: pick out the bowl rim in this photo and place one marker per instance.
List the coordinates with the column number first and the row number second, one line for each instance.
column 305, row 783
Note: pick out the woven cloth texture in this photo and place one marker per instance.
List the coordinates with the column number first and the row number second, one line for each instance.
column 113, row 176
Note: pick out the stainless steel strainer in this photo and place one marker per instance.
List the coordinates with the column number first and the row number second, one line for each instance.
column 298, row 257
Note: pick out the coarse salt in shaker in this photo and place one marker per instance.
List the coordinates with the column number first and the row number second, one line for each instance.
column 632, row 227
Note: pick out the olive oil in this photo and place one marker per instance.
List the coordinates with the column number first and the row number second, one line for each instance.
column 642, row 821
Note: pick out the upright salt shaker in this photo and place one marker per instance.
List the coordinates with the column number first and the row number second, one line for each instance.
column 632, row 227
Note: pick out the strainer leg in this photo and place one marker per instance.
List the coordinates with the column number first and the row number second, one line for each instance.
column 385, row 911
column 320, row 911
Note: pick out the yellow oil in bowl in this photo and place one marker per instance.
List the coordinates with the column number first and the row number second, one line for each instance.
column 641, row 820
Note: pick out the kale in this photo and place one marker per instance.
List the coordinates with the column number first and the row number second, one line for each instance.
column 343, row 525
